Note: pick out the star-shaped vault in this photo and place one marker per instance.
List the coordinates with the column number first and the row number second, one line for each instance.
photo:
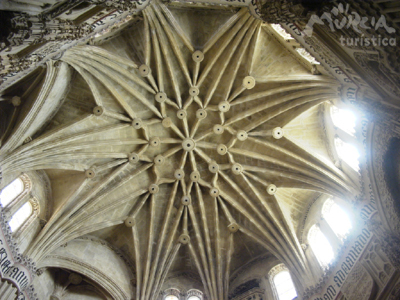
column 190, row 151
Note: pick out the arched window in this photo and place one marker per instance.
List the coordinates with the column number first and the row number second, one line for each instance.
column 11, row 191
column 284, row 286
column 320, row 246
column 337, row 219
column 194, row 294
column 18, row 203
column 348, row 153
column 344, row 119
column 282, row 283
column 172, row 294
column 20, row 216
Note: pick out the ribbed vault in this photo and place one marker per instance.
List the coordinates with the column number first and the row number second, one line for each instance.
column 188, row 140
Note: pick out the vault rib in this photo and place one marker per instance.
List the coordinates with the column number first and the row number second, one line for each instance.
column 138, row 262
column 147, row 47
column 293, row 168
column 111, row 61
column 241, row 52
column 301, row 178
column 177, row 28
column 201, row 247
column 278, row 90
column 70, row 229
column 114, row 76
column 338, row 172
column 273, row 245
column 167, row 54
column 297, row 97
column 275, row 222
column 275, row 237
column 287, row 106
column 156, row 47
column 200, row 270
column 164, row 265
column 173, row 43
column 248, row 28
column 218, row 250
column 129, row 149
column 228, row 265
column 106, row 83
column 224, row 28
column 253, row 51
column 275, row 252
column 91, row 83
column 149, row 247
column 203, row 216
column 74, row 231
column 163, row 233
column 226, row 40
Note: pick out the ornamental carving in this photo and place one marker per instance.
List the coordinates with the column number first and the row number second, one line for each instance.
column 359, row 284
column 17, row 268
column 279, row 11
column 387, row 209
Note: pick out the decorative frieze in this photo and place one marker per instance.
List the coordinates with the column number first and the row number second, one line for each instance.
column 15, row 267
column 336, row 275
column 253, row 294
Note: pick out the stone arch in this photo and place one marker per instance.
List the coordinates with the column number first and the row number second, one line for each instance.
column 183, row 281
column 35, row 110
column 113, row 273
column 42, row 192
column 254, row 273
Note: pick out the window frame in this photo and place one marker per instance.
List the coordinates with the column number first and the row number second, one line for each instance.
column 25, row 219
column 28, row 221
column 341, row 158
column 15, row 196
column 332, row 112
column 323, row 264
column 334, row 200
column 14, row 205
column 333, row 132
column 315, row 217
column 172, row 292
column 27, row 187
column 273, row 273
column 195, row 293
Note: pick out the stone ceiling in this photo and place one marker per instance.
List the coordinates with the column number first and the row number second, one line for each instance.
column 192, row 141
